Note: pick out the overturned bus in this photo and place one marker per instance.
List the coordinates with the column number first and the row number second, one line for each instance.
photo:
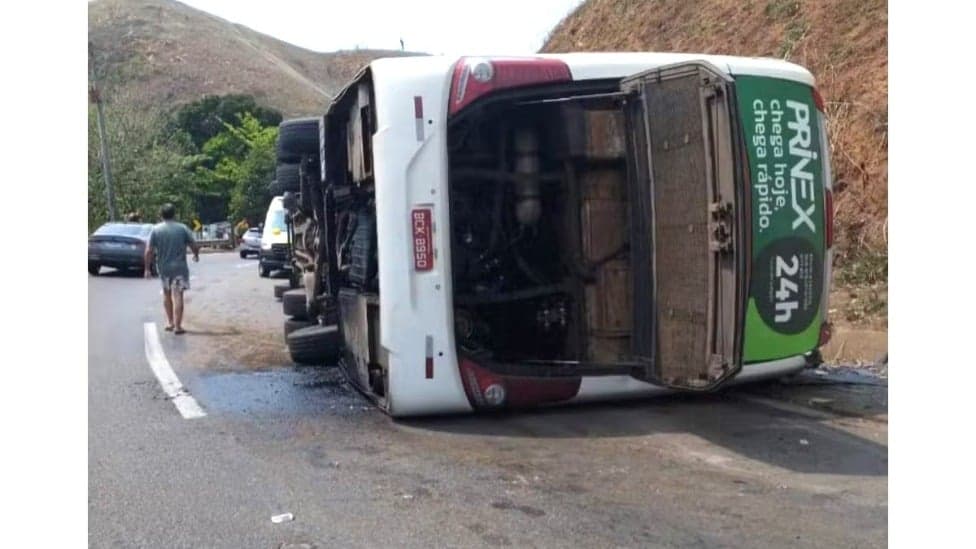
column 496, row 232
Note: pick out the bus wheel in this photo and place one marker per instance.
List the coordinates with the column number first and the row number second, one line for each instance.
column 315, row 345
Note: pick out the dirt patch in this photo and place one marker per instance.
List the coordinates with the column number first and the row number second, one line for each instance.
column 864, row 306
column 859, row 315
column 856, row 346
column 234, row 348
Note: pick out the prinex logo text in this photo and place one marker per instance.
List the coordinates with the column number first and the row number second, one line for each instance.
column 801, row 178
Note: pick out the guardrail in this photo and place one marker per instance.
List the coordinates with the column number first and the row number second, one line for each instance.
column 226, row 244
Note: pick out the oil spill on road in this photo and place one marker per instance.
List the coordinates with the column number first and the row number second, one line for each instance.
column 280, row 391
column 842, row 390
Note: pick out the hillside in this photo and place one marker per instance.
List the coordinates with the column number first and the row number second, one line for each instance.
column 162, row 53
column 843, row 42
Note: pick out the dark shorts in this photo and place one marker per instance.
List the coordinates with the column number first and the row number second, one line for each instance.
column 178, row 283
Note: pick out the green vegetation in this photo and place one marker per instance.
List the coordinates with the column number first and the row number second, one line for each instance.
column 866, row 303
column 242, row 157
column 206, row 118
column 782, row 9
column 212, row 158
column 796, row 31
column 147, row 166
column 863, row 279
column 869, row 267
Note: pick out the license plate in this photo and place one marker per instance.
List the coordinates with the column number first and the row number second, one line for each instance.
column 423, row 252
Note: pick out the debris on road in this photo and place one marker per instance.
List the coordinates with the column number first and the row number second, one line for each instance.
column 837, row 375
column 284, row 517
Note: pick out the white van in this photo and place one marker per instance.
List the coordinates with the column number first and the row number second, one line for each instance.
column 517, row 231
column 274, row 240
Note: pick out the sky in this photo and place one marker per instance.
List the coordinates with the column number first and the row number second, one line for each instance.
column 430, row 26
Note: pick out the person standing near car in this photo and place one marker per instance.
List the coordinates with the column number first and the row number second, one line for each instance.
column 168, row 243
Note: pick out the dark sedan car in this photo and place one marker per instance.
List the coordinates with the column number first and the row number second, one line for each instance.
column 119, row 245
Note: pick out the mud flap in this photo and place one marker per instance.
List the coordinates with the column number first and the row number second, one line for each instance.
column 685, row 229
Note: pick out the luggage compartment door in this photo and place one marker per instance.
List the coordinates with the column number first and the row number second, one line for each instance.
column 685, row 225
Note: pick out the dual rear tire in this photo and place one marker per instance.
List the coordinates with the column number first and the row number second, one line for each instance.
column 308, row 342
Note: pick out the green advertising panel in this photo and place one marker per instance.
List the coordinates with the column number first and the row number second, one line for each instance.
column 782, row 135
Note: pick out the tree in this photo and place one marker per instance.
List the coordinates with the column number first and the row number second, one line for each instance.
column 156, row 160
column 204, row 119
column 148, row 164
column 241, row 164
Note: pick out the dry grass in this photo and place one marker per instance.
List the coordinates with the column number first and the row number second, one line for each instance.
column 163, row 53
column 843, row 42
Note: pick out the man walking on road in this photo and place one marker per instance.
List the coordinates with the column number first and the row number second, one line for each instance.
column 168, row 242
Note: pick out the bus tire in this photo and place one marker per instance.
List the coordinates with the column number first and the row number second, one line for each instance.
column 292, row 324
column 293, row 304
column 315, row 345
column 287, row 178
column 280, row 289
column 298, row 137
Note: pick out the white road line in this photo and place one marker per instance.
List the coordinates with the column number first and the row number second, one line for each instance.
column 186, row 404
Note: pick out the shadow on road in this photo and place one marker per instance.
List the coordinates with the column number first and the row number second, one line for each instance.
column 212, row 332
column 793, row 441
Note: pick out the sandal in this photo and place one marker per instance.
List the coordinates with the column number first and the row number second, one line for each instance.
column 168, row 328
column 179, row 331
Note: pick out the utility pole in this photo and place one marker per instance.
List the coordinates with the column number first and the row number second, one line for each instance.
column 94, row 95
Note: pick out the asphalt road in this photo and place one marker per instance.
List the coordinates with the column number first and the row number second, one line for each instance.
column 801, row 465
